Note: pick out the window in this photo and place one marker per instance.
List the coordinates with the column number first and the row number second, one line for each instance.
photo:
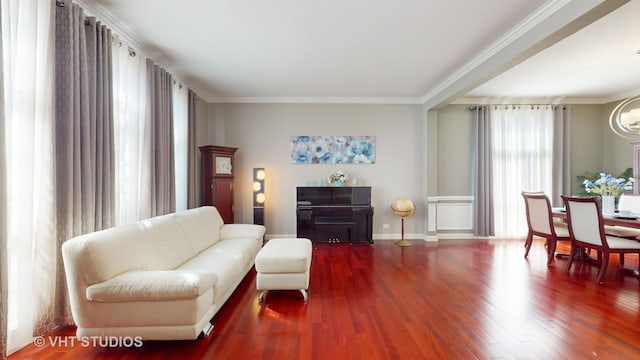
column 522, row 153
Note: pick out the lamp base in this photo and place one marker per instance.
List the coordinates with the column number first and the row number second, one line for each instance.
column 258, row 215
column 403, row 242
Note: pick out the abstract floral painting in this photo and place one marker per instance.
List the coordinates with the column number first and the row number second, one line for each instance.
column 333, row 149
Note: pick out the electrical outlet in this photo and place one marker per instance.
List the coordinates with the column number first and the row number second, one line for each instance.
column 385, row 226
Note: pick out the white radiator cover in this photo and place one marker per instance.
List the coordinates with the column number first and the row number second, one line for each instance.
column 450, row 213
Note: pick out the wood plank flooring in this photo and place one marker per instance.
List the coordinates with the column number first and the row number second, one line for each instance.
column 454, row 299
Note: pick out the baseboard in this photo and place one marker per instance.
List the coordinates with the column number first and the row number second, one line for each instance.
column 375, row 237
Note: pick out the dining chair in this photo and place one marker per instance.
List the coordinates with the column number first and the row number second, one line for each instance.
column 540, row 223
column 630, row 203
column 586, row 230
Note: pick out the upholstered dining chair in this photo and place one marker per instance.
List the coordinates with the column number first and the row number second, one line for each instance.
column 540, row 223
column 630, row 203
column 587, row 231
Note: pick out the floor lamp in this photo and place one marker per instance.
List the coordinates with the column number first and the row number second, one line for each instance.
column 258, row 196
column 403, row 208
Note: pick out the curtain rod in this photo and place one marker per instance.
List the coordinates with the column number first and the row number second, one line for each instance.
column 474, row 107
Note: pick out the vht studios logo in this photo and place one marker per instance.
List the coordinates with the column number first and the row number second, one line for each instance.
column 88, row 341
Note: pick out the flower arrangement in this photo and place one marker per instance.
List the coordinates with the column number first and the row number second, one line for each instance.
column 337, row 177
column 608, row 185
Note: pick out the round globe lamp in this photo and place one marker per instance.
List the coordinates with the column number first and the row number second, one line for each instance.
column 402, row 207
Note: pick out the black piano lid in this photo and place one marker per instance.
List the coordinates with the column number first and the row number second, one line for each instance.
column 333, row 195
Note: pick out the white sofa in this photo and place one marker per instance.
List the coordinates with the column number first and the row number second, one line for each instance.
column 162, row 278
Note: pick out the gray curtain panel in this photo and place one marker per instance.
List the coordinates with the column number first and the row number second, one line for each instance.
column 561, row 154
column 483, row 219
column 160, row 112
column 84, row 150
column 192, row 180
column 4, row 281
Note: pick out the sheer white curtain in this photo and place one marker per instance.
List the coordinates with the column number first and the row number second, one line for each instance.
column 180, row 141
column 132, row 133
column 27, row 29
column 522, row 152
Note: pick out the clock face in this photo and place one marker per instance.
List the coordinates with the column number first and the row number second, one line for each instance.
column 223, row 165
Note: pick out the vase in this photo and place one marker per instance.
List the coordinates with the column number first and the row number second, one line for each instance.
column 608, row 205
column 338, row 183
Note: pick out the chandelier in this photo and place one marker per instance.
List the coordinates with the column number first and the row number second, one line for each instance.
column 625, row 118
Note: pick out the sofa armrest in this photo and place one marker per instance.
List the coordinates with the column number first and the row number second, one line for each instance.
column 156, row 285
column 241, row 231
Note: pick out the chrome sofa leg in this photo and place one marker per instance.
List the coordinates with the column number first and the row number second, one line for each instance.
column 207, row 330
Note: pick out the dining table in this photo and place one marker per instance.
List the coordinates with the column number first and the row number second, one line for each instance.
column 617, row 219
column 630, row 221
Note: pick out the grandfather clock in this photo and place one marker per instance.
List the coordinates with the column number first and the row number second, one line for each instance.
column 217, row 173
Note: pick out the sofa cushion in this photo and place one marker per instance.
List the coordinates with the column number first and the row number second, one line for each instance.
column 241, row 231
column 284, row 256
column 166, row 240
column 201, row 225
column 228, row 269
column 244, row 250
column 125, row 248
column 105, row 253
column 156, row 285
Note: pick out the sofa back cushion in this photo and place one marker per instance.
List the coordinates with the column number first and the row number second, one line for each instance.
column 160, row 243
column 101, row 255
column 201, row 226
column 153, row 244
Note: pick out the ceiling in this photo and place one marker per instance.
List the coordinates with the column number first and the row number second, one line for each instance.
column 601, row 62
column 378, row 51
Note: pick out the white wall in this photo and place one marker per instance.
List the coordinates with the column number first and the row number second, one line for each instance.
column 262, row 132
column 455, row 144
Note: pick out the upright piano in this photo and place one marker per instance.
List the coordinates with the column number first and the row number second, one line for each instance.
column 334, row 214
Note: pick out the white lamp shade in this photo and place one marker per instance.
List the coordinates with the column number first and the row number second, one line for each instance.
column 257, row 186
column 625, row 118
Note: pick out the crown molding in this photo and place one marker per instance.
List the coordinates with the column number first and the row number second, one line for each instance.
column 92, row 8
column 562, row 100
column 314, row 100
column 622, row 96
column 549, row 24
column 529, row 23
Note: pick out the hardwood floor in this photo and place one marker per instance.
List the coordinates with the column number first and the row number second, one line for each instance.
column 455, row 299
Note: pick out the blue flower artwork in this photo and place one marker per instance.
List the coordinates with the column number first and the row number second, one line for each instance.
column 333, row 149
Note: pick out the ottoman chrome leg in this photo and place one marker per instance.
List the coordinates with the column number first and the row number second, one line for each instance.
column 305, row 294
column 261, row 297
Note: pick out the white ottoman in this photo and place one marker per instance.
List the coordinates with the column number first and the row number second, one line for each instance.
column 283, row 264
